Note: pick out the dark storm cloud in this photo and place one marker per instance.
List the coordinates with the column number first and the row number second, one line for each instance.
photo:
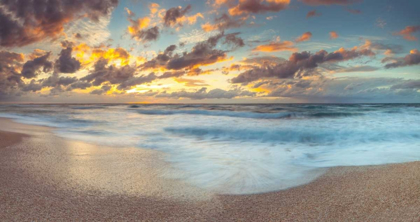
column 31, row 67
column 66, row 63
column 299, row 64
column 24, row 22
column 171, row 16
column 411, row 59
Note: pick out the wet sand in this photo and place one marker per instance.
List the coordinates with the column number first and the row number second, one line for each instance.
column 47, row 178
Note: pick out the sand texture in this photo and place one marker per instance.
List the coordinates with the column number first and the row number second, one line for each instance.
column 47, row 178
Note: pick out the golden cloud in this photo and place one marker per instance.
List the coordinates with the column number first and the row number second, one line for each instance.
column 276, row 46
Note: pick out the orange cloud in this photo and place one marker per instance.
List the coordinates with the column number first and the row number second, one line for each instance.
column 276, row 46
column 189, row 19
column 177, row 17
column 118, row 56
column 154, row 8
column 191, row 82
column 139, row 28
column 407, row 33
column 305, row 37
column 136, row 24
column 333, row 35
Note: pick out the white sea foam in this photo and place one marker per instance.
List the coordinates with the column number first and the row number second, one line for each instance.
column 244, row 149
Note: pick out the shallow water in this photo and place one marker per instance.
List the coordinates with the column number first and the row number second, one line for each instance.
column 238, row 149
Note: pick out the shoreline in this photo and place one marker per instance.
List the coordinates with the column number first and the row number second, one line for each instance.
column 44, row 177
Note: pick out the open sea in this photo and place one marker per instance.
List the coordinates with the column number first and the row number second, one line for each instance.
column 242, row 149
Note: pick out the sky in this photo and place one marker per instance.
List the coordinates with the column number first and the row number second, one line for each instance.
column 209, row 51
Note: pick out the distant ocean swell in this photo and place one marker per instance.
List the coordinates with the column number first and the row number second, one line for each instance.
column 239, row 149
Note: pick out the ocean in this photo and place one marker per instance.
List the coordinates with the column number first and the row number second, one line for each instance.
column 242, row 149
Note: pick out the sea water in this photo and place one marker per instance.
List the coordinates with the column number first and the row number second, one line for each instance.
column 242, row 149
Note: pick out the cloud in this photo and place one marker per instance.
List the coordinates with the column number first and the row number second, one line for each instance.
column 110, row 74
column 276, row 46
column 173, row 14
column 9, row 59
column 354, row 11
column 341, row 69
column 233, row 40
column 191, row 82
column 79, row 85
column 154, row 8
column 411, row 59
column 333, row 35
column 305, row 37
column 66, row 63
column 264, row 60
column 330, row 2
column 88, row 55
column 219, row 3
column 26, row 22
column 203, row 53
column 133, row 81
column 313, row 13
column 348, row 89
column 195, row 36
column 10, row 79
column 224, row 22
column 30, row 68
column 55, row 80
column 412, row 84
column 299, row 64
column 389, row 49
column 380, row 23
column 204, row 94
column 407, row 33
column 258, row 6
column 148, row 35
column 102, row 90
column 176, row 17
column 88, row 31
column 33, row 86
column 139, row 28
column 171, row 74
